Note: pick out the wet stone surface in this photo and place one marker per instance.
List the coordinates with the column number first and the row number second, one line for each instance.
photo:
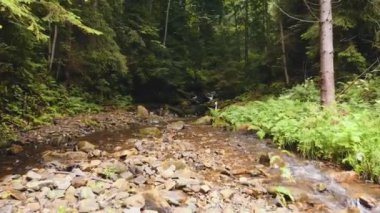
column 164, row 165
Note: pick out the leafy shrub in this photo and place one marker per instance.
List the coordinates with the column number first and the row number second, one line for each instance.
column 348, row 134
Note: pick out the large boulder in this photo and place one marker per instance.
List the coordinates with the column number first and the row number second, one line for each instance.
column 142, row 112
column 150, row 132
column 205, row 120
column 86, row 146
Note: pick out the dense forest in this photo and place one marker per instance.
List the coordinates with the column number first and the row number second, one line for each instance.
column 61, row 57
column 300, row 73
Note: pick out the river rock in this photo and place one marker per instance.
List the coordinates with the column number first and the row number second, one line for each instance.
column 88, row 205
column 33, row 207
column 155, row 201
column 55, row 194
column 150, row 132
column 345, row 177
column 67, row 156
column 174, row 197
column 169, row 172
column 86, row 146
column 205, row 188
column 179, row 125
column 182, row 210
column 142, row 112
column 86, row 193
column 79, row 181
column 62, row 183
column 31, row 175
column 205, row 120
column 135, row 201
column 227, row 193
column 368, row 201
column 37, row 185
column 15, row 149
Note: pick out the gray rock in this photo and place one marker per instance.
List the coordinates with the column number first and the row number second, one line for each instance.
column 31, row 175
column 35, row 206
column 88, row 205
column 179, row 125
column 62, row 183
column 174, row 197
column 37, row 185
column 55, row 194
column 182, row 210
column 132, row 210
column 86, row 193
column 140, row 180
column 135, row 201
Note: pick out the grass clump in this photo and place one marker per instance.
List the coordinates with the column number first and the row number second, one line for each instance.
column 348, row 134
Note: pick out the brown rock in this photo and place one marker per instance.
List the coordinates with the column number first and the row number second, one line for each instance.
column 142, row 112
column 86, row 146
column 15, row 149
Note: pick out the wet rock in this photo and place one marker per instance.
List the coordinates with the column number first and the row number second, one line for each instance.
column 135, row 201
column 88, row 205
column 37, row 185
column 66, row 156
column 367, row 201
column 345, row 177
column 86, row 146
column 205, row 120
column 321, row 187
column 150, row 132
column 142, row 112
column 31, row 175
column 264, row 159
column 175, row 197
column 179, row 125
column 15, row 149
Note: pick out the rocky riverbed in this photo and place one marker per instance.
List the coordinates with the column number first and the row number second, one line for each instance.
column 145, row 163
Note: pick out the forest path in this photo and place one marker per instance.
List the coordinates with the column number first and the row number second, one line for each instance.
column 173, row 165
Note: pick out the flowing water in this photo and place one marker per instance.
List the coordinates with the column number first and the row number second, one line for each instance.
column 240, row 151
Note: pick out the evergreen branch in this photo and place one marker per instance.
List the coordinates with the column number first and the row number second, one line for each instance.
column 293, row 17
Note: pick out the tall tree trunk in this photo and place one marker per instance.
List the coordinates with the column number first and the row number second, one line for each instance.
column 284, row 54
column 53, row 45
column 166, row 23
column 246, row 50
column 326, row 54
column 237, row 33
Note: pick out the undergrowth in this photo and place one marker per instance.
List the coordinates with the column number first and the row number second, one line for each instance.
column 348, row 134
column 23, row 108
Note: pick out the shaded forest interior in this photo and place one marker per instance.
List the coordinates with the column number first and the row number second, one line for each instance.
column 64, row 57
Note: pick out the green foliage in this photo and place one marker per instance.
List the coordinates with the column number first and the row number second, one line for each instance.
column 348, row 134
